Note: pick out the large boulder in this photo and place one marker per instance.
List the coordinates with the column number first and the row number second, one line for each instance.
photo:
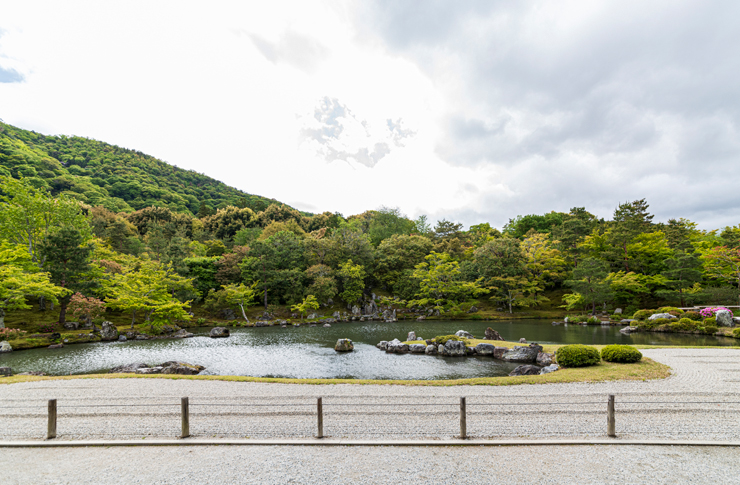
column 128, row 368
column 724, row 318
column 549, row 368
column 526, row 370
column 397, row 347
column 382, row 345
column 411, row 336
column 71, row 325
column 431, row 350
column 485, row 349
column 181, row 368
column 628, row 330
column 417, row 348
column 491, row 334
column 5, row 347
column 498, row 352
column 344, row 345
column 219, row 332
column 108, row 331
column 454, row 348
column 464, row 334
column 522, row 354
column 656, row 316
column 544, row 359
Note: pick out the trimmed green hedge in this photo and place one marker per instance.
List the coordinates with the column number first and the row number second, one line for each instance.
column 624, row 354
column 577, row 356
column 442, row 339
column 643, row 314
column 695, row 316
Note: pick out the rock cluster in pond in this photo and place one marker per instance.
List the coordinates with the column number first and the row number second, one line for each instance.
column 522, row 354
column 219, row 332
column 344, row 345
column 170, row 367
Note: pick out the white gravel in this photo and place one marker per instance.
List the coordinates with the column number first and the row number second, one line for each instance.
column 699, row 401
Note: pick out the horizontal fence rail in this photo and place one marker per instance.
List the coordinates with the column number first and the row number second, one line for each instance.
column 348, row 417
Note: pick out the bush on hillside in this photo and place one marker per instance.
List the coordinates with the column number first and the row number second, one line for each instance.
column 577, row 356
column 624, row 354
column 670, row 309
column 695, row 316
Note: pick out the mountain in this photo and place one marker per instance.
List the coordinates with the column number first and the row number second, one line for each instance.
column 119, row 179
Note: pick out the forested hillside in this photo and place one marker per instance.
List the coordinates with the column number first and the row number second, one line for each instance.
column 116, row 178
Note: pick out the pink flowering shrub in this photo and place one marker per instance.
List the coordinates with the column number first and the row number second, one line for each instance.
column 711, row 311
column 11, row 333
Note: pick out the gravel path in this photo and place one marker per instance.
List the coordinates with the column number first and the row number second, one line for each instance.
column 701, row 400
column 362, row 465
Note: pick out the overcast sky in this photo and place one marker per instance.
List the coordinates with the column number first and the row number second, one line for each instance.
column 474, row 111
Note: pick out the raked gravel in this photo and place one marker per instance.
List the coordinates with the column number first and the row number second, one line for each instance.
column 701, row 400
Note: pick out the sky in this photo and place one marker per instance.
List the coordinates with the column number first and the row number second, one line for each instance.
column 473, row 111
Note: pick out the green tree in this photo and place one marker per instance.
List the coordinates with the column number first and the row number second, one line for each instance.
column 353, row 281
column 397, row 256
column 683, row 272
column 386, row 222
column 500, row 265
column 723, row 264
column 308, row 304
column 241, row 295
column 630, row 219
column 589, row 280
column 19, row 277
column 577, row 224
column 66, row 257
column 441, row 283
column 323, row 284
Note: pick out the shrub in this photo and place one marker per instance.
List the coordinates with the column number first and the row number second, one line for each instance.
column 711, row 311
column 577, row 356
column 736, row 333
column 696, row 316
column 711, row 329
column 47, row 328
column 683, row 325
column 593, row 321
column 643, row 314
column 670, row 309
column 661, row 321
column 625, row 354
column 710, row 322
column 442, row 339
column 686, row 320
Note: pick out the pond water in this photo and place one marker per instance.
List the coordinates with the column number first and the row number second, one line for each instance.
column 308, row 352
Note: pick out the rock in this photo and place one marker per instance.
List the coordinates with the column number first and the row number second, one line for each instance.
column 327, row 325
column 565, row 320
column 5, row 347
column 336, row 315
column 555, row 323
column 228, row 314
column 498, row 352
column 417, row 348
column 29, row 373
column 522, row 340
column 431, row 350
column 219, row 332
column 312, row 316
column 724, row 318
column 522, row 354
column 421, row 318
column 441, row 349
column 56, row 346
column 627, row 320
column 661, row 315
column 71, row 325
column 122, row 338
column 131, row 335
column 180, row 368
column 344, row 345
column 549, row 368
column 55, row 336
column 108, row 331
column 464, row 334
column 484, row 349
column 142, row 337
column 149, row 370
column 182, row 333
column 543, row 358
column 628, row 330
column 127, row 368
column 454, row 348
column 491, row 334
column 382, row 345
column 618, row 311
column 526, row 370
column 736, row 320
column 411, row 336
column 356, row 310
column 6, row 371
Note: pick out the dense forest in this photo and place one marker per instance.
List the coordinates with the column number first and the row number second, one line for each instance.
column 118, row 179
column 78, row 227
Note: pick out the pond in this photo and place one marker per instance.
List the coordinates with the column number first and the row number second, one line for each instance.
column 308, row 352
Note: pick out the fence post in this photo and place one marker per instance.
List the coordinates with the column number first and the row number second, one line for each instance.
column 320, row 412
column 51, row 431
column 185, row 409
column 463, row 420
column 610, row 423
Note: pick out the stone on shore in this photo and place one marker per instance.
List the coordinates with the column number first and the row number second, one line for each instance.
column 344, row 345
column 431, row 350
column 127, row 368
column 5, row 347
column 454, row 348
column 181, row 368
column 544, row 359
column 108, row 332
column 549, row 368
column 491, row 334
column 6, row 371
column 182, row 333
column 417, row 348
column 662, row 315
column 485, row 349
column 411, row 336
column 464, row 334
column 149, row 370
column 522, row 354
column 526, row 370
column 724, row 318
column 219, row 332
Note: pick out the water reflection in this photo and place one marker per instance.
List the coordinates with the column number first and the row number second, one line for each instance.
column 307, row 352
